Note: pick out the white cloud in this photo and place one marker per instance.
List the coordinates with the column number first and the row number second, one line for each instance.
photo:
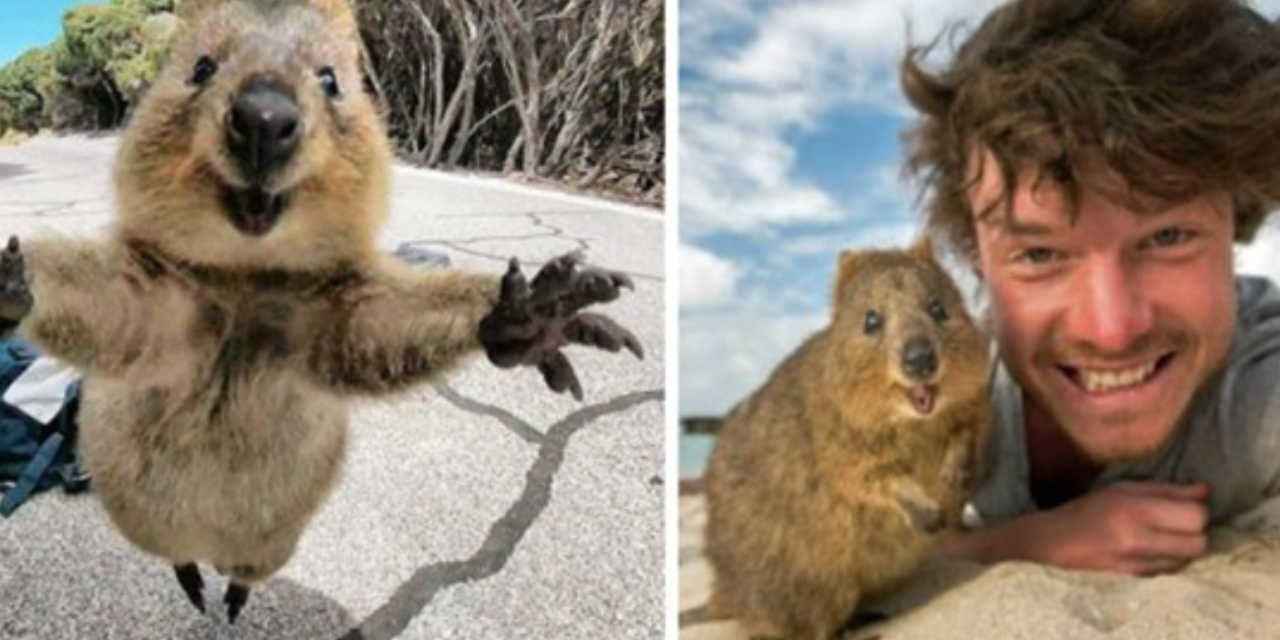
column 833, row 49
column 787, row 66
column 725, row 356
column 706, row 280
column 893, row 234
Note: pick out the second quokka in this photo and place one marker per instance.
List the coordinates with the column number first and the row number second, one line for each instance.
column 827, row 484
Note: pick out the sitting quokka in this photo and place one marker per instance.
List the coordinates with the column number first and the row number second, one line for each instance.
column 826, row 484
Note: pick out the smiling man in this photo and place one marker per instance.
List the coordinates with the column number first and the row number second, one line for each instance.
column 1094, row 161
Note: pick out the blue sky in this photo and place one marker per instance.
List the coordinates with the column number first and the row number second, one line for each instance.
column 25, row 24
column 790, row 117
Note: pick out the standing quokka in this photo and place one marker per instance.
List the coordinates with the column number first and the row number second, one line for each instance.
column 826, row 484
column 239, row 303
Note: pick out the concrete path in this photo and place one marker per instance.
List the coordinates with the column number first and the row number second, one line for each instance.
column 487, row 507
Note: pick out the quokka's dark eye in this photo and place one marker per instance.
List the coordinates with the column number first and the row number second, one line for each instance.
column 203, row 71
column 329, row 82
column 937, row 311
column 872, row 324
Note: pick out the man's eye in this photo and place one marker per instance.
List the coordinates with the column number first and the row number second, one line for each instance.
column 1170, row 237
column 1037, row 255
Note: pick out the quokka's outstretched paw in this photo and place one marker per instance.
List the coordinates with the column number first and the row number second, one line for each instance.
column 562, row 288
column 15, row 293
column 533, row 321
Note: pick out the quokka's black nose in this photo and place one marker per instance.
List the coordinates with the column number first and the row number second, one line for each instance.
column 920, row 358
column 263, row 129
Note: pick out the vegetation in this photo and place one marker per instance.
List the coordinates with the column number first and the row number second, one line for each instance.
column 568, row 90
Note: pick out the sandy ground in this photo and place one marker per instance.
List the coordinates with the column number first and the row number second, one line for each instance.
column 1234, row 592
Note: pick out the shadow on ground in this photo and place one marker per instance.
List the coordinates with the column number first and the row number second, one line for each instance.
column 129, row 595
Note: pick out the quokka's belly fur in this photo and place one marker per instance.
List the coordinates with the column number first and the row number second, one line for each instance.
column 190, row 488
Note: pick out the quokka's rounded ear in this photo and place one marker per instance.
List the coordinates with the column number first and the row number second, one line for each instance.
column 846, row 268
column 923, row 248
column 846, row 263
column 340, row 14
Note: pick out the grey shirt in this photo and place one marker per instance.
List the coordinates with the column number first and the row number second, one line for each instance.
column 1229, row 437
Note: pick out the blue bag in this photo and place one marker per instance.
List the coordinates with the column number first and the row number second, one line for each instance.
column 35, row 456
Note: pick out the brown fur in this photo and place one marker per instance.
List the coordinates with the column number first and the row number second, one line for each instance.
column 218, row 366
column 824, row 481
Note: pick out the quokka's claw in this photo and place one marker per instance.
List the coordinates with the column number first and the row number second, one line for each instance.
column 560, row 376
column 514, row 288
column 595, row 330
column 192, row 583
column 15, row 294
column 235, row 598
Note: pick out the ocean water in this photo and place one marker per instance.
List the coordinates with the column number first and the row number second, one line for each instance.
column 695, row 449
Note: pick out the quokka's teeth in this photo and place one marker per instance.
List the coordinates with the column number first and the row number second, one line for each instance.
column 1099, row 381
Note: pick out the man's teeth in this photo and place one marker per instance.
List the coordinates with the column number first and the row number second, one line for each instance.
column 1098, row 381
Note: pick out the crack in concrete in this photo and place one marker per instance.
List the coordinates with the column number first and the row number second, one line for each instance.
column 553, row 232
column 413, row 596
column 50, row 210
column 25, row 176
column 518, row 214
column 557, row 231
column 516, row 425
column 531, row 236
column 21, row 181
column 449, row 244
column 39, row 205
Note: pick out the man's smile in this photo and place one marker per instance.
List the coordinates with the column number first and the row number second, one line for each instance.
column 1104, row 380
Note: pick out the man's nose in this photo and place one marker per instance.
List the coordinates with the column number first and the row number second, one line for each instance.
column 1109, row 309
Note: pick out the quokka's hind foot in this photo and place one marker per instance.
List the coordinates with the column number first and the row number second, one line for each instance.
column 192, row 583
column 855, row 627
column 235, row 598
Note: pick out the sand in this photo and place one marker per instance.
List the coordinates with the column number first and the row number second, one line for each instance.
column 1233, row 592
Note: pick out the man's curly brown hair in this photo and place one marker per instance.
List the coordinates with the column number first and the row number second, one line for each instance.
column 1176, row 97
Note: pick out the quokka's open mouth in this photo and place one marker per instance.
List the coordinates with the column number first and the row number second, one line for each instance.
column 923, row 397
column 253, row 211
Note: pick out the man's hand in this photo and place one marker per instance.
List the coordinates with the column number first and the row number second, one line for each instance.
column 1136, row 528
column 532, row 322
